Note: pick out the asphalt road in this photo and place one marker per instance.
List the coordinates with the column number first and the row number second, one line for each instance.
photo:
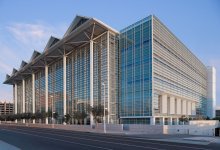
column 27, row 138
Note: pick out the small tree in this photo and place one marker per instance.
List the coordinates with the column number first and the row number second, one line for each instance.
column 67, row 118
column 79, row 116
column 97, row 111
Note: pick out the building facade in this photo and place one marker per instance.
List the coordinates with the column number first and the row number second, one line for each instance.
column 143, row 73
column 6, row 108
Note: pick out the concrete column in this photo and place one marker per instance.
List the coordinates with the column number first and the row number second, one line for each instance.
column 193, row 108
column 170, row 121
column 162, row 121
column 16, row 100
column 163, row 104
column 33, row 94
column 177, row 121
column 46, row 91
column 184, row 110
column 172, row 105
column 91, row 80
column 189, row 108
column 64, row 85
column 108, row 76
column 178, row 107
column 152, row 121
column 23, row 98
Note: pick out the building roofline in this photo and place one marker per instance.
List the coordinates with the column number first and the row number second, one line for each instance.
column 58, row 44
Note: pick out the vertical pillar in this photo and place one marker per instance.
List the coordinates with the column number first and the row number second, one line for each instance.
column 164, row 104
column 163, row 121
column 108, row 75
column 91, row 79
column 172, row 105
column 33, row 94
column 170, row 121
column 46, row 91
column 152, row 121
column 23, row 98
column 177, row 121
column 64, row 85
column 16, row 100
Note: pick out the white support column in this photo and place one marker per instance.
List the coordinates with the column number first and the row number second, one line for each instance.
column 16, row 100
column 64, row 85
column 170, row 121
column 91, row 79
column 163, row 103
column 33, row 95
column 184, row 110
column 177, row 121
column 178, row 107
column 108, row 76
column 23, row 98
column 152, row 121
column 46, row 91
column 163, row 121
column 172, row 105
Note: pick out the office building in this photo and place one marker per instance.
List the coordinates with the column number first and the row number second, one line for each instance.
column 6, row 108
column 144, row 74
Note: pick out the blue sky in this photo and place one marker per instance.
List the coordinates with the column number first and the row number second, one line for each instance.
column 26, row 25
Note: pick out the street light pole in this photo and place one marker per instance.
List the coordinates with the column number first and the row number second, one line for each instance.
column 52, row 110
column 104, row 108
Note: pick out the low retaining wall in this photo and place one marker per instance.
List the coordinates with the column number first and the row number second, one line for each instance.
column 195, row 128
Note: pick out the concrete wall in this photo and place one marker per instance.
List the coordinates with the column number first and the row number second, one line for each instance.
column 142, row 129
column 197, row 127
column 203, row 127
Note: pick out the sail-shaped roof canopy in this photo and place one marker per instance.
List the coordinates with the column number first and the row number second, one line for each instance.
column 23, row 63
column 14, row 71
column 52, row 40
column 7, row 77
column 35, row 55
column 78, row 21
column 81, row 31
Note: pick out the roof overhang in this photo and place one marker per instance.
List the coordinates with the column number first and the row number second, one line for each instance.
column 91, row 29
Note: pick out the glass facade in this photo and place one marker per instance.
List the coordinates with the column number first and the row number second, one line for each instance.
column 136, row 71
column 19, row 98
column 78, row 81
column 28, row 95
column 55, row 89
column 147, row 74
column 40, row 92
column 176, row 71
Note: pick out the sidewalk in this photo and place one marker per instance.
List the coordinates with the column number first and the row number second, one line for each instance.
column 6, row 146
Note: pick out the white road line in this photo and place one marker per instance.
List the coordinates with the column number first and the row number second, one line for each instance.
column 58, row 139
column 137, row 146
column 146, row 140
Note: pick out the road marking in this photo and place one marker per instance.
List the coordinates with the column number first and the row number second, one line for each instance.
column 137, row 146
column 112, row 137
column 58, row 140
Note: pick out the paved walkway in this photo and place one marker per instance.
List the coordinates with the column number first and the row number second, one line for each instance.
column 6, row 146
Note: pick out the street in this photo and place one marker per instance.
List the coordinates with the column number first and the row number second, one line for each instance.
column 27, row 138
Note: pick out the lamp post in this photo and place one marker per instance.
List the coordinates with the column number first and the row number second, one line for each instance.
column 104, row 109
column 52, row 110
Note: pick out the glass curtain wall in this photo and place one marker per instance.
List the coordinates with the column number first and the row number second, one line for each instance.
column 114, row 77
column 40, row 93
column 136, row 72
column 78, row 75
column 19, row 99
column 55, row 90
column 28, row 95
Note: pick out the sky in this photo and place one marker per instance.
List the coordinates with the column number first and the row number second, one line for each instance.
column 26, row 25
